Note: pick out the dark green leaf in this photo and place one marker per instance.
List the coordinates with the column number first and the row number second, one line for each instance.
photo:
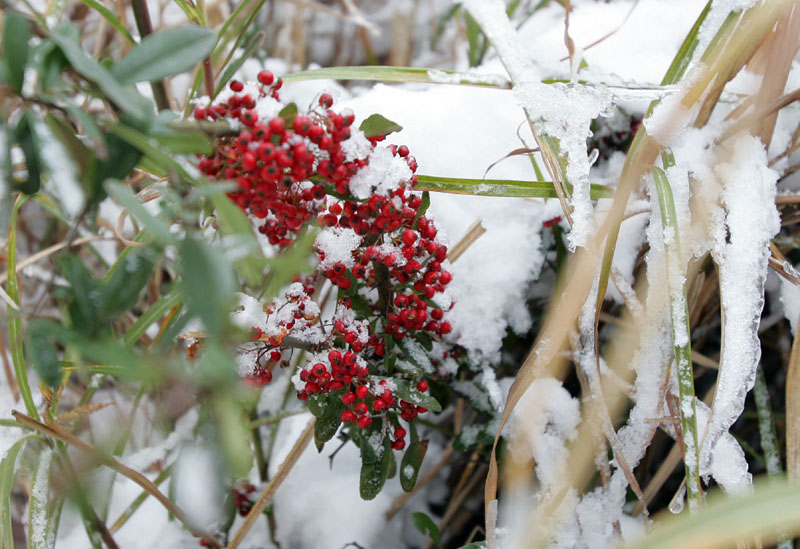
column 409, row 393
column 125, row 281
column 86, row 293
column 165, row 53
column 374, row 468
column 412, row 461
column 377, row 125
column 426, row 526
column 328, row 423
column 16, row 33
column 185, row 142
column 316, row 404
column 25, row 138
column 40, row 340
column 127, row 99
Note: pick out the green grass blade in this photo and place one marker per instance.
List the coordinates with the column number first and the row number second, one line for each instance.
column 7, row 468
column 681, row 336
column 112, row 19
column 156, row 311
column 497, row 187
column 397, row 74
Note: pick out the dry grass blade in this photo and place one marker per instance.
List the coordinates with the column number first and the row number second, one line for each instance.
column 65, row 436
column 793, row 412
column 274, row 484
column 473, row 233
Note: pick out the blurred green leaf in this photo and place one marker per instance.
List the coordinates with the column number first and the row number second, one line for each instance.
column 288, row 113
column 207, row 282
column 234, row 223
column 377, row 125
column 40, row 340
column 165, row 53
column 125, row 198
column 392, row 74
column 185, row 142
column 233, row 432
column 125, row 98
column 87, row 295
column 153, row 314
column 412, row 461
column 24, row 137
column 426, row 526
column 6, row 177
column 125, row 281
column 16, row 33
column 290, row 262
column 474, row 36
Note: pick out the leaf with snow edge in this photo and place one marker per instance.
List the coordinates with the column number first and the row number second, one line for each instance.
column 409, row 393
column 426, row 526
column 40, row 340
column 423, row 207
column 398, row 74
column 126, row 98
column 377, row 125
column 374, row 468
column 507, row 188
column 329, row 421
column 7, row 467
column 164, row 54
column 41, row 519
column 16, row 33
column 232, row 221
column 412, row 461
column 316, row 404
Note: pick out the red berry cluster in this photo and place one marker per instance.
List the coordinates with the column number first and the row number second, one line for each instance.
column 241, row 498
column 288, row 173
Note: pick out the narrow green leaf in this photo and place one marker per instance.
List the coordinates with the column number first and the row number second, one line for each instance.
column 112, row 19
column 126, row 98
column 7, row 468
column 125, row 281
column 185, row 142
column 165, row 53
column 208, row 283
column 412, row 461
column 426, row 526
column 233, row 432
column 474, row 35
column 16, row 33
column 377, row 125
column 87, row 295
column 328, row 423
column 6, row 178
column 498, row 187
column 397, row 74
column 25, row 138
column 249, row 51
column 155, row 312
column 152, row 149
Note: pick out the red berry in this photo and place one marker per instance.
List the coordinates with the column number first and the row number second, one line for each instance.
column 348, row 398
column 236, row 86
column 422, row 386
column 399, row 433
column 325, row 100
column 348, row 417
column 361, row 408
column 398, row 444
column 364, row 421
column 362, row 391
column 409, row 237
column 266, row 77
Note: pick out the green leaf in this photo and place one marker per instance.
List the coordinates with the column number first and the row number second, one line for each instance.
column 155, row 312
column 127, row 99
column 152, row 149
column 112, row 19
column 409, row 393
column 25, row 138
column 41, row 520
column 87, row 295
column 328, row 423
column 396, row 74
column 125, row 198
column 426, row 526
column 208, row 283
column 16, row 33
column 233, row 432
column 165, row 53
column 40, row 340
column 125, row 281
column 474, row 36
column 377, row 125
column 249, row 51
column 374, row 468
column 498, row 187
column 234, row 223
column 288, row 113
column 7, row 467
column 316, row 404
column 185, row 142
column 6, row 177
column 412, row 461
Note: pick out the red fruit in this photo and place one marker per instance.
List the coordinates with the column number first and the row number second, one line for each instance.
column 422, row 386
column 277, row 125
column 335, row 357
column 378, row 405
column 445, row 277
column 402, row 150
column 236, row 86
column 348, row 398
column 364, row 421
column 398, row 444
column 361, row 408
column 409, row 237
column 399, row 433
column 325, row 100
column 445, row 327
column 249, row 161
column 249, row 118
column 266, row 77
column 348, row 417
column 362, row 391
column 199, row 114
